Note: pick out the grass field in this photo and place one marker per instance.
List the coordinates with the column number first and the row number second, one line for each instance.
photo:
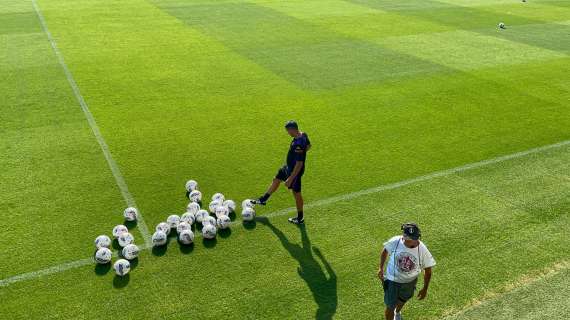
column 404, row 101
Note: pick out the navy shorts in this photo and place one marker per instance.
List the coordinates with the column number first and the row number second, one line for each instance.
column 395, row 292
column 283, row 174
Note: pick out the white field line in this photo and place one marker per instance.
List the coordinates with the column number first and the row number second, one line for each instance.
column 323, row 202
column 130, row 201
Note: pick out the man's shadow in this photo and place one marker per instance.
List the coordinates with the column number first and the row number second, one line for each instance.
column 323, row 288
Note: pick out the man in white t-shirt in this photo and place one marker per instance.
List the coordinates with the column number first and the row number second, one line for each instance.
column 408, row 257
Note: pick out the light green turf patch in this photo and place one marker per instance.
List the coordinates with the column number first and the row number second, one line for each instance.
column 464, row 50
column 17, row 22
column 550, row 36
column 317, row 9
column 531, row 10
column 389, row 5
column 543, row 299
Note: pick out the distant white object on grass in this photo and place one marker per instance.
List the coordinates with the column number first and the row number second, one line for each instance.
column 248, row 214
column 224, row 222
column 213, row 205
column 209, row 221
column 209, row 231
column 125, row 239
column 195, row 196
column 122, row 267
column 164, row 227
column 118, row 230
column 501, row 25
column 183, row 226
column 188, row 217
column 230, row 204
column 102, row 241
column 193, row 207
column 247, row 204
column 131, row 214
column 186, row 237
column 222, row 211
column 159, row 238
column 191, row 185
column 130, row 251
column 173, row 220
column 201, row 215
column 218, row 197
column 103, row 255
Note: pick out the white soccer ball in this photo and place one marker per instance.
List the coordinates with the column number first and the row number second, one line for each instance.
column 200, row 215
column 183, row 226
column 131, row 214
column 209, row 231
column 248, row 214
column 209, row 221
column 159, row 238
column 130, row 251
column 118, row 230
column 501, row 25
column 222, row 211
column 125, row 239
column 195, row 196
column 173, row 220
column 103, row 255
column 102, row 241
column 230, row 204
column 187, row 217
column 247, row 204
column 193, row 207
column 164, row 227
column 213, row 205
column 218, row 197
column 186, row 237
column 224, row 222
column 122, row 267
column 191, row 185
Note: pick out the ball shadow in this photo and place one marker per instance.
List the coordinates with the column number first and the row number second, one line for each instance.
column 209, row 243
column 121, row 282
column 224, row 233
column 130, row 224
column 232, row 216
column 102, row 269
column 134, row 263
column 249, row 225
column 186, row 248
column 159, row 251
column 115, row 245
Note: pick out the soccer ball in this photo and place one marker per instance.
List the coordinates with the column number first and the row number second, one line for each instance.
column 102, row 241
column 248, row 214
column 122, row 267
column 195, row 196
column 224, row 222
column 173, row 220
column 187, row 217
column 118, row 230
column 209, row 221
column 159, row 238
column 213, row 205
column 125, row 239
column 222, row 211
column 200, row 215
column 501, row 25
column 131, row 214
column 209, row 231
column 218, row 197
column 164, row 227
column 183, row 226
column 247, row 204
column 103, row 255
column 191, row 185
column 130, row 251
column 193, row 207
column 230, row 204
column 186, row 236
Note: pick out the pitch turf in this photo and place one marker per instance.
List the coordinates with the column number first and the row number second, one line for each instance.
column 387, row 90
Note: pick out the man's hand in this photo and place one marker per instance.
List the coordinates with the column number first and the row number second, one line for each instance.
column 422, row 294
column 289, row 182
column 381, row 274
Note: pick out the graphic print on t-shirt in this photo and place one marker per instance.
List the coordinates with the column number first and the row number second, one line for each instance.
column 406, row 262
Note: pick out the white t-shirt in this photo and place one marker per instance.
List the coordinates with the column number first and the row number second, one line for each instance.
column 405, row 264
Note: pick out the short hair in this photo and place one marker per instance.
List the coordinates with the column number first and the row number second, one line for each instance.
column 291, row 124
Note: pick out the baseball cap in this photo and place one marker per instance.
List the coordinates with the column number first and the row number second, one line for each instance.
column 411, row 230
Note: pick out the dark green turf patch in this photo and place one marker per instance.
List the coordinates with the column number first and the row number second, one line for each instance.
column 19, row 22
column 547, row 35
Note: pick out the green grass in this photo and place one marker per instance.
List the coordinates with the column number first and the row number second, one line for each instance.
column 387, row 90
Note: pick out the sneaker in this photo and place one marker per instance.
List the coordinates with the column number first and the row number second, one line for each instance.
column 296, row 220
column 398, row 316
column 259, row 201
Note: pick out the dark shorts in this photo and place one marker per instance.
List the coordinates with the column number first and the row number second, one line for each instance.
column 395, row 292
column 283, row 174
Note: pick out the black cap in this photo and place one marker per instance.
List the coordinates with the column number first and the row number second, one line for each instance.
column 411, row 230
column 291, row 124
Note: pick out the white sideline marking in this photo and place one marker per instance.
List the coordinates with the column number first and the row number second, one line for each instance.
column 93, row 124
column 348, row 196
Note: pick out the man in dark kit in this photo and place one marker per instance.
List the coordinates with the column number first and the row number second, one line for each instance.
column 292, row 172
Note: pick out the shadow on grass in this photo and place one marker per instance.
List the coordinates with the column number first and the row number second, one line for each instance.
column 121, row 282
column 225, row 233
column 159, row 251
column 323, row 288
column 249, row 225
column 209, row 243
column 130, row 224
column 134, row 263
column 115, row 245
column 186, row 248
column 232, row 215
column 102, row 269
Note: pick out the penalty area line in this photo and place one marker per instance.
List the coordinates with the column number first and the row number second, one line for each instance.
column 322, row 202
column 119, row 179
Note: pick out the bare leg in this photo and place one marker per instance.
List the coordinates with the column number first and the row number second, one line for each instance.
column 274, row 185
column 389, row 313
column 399, row 306
column 298, row 201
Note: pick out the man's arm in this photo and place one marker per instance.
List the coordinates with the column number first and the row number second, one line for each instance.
column 427, row 278
column 383, row 258
column 296, row 170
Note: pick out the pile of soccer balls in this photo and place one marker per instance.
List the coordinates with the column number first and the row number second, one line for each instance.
column 125, row 239
column 217, row 217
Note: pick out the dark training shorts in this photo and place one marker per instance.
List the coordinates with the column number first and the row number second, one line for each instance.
column 395, row 292
column 283, row 174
